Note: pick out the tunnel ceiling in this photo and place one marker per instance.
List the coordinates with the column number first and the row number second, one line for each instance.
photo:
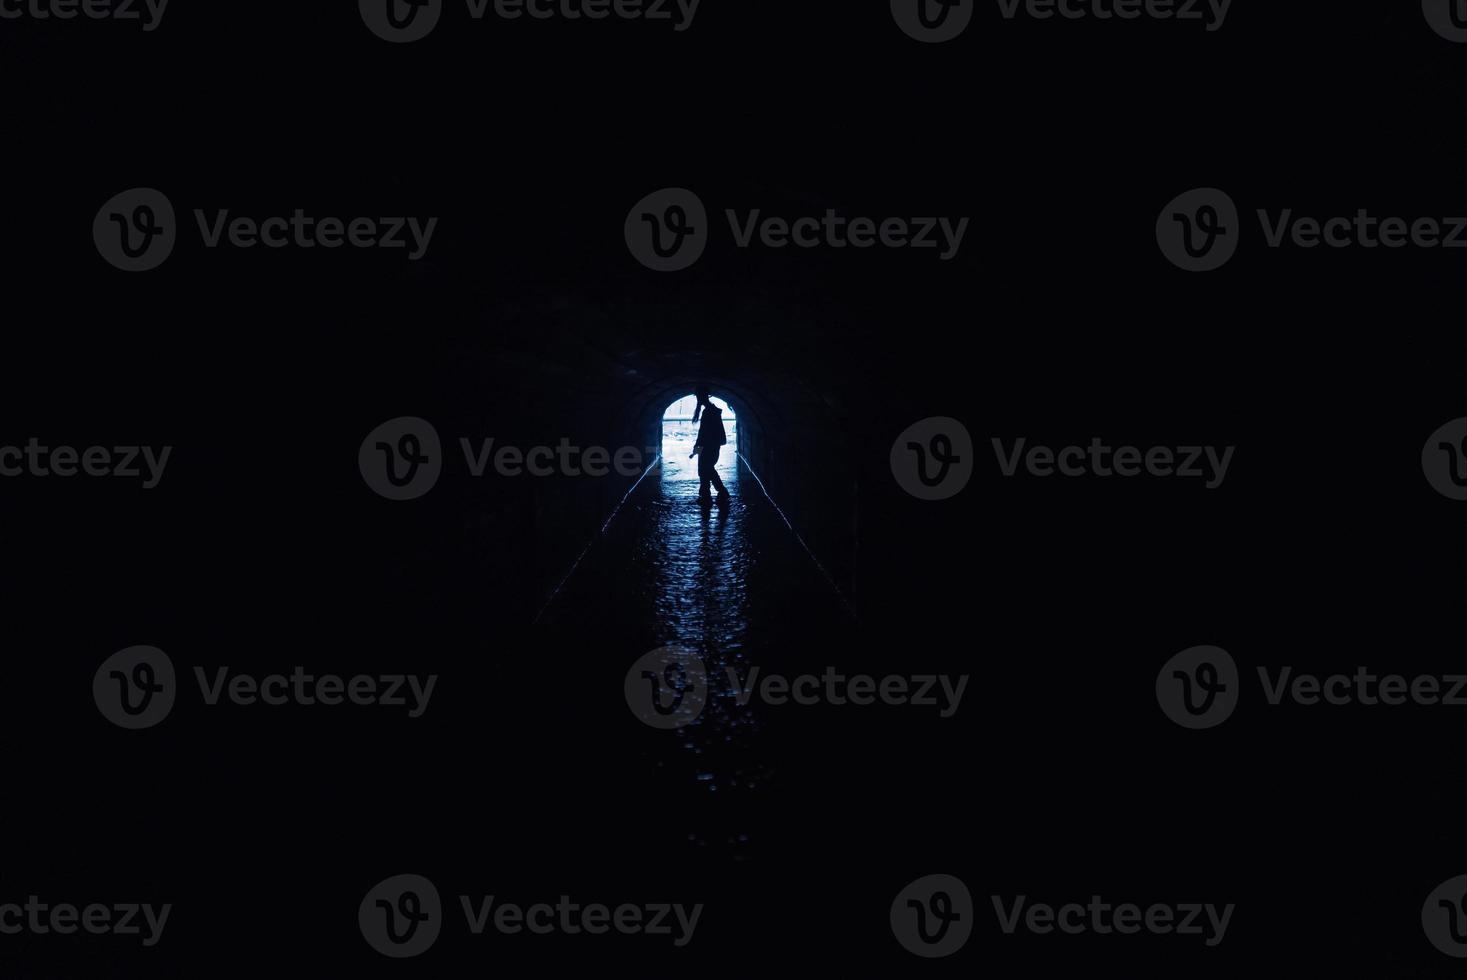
column 785, row 375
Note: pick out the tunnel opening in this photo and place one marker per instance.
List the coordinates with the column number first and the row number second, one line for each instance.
column 779, row 449
column 678, row 435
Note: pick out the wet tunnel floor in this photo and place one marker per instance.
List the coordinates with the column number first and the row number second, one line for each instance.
column 735, row 585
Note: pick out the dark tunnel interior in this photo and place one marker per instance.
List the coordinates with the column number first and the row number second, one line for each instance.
column 531, row 326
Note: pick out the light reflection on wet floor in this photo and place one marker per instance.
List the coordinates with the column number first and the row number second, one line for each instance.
column 699, row 595
column 730, row 583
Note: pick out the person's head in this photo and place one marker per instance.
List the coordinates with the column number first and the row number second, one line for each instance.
column 701, row 394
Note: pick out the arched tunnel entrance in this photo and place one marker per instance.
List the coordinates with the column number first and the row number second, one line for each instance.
column 754, row 415
column 681, row 424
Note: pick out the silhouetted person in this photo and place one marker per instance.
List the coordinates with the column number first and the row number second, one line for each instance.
column 707, row 446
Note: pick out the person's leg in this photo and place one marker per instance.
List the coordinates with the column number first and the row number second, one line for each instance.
column 708, row 474
column 705, row 474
